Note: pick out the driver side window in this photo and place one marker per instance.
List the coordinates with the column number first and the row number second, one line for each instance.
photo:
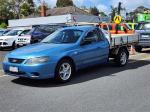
column 92, row 36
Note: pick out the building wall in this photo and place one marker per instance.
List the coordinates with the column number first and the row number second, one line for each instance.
column 54, row 19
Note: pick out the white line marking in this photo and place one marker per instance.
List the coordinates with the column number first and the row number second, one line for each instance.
column 1, row 70
column 139, row 60
column 4, row 75
column 137, row 54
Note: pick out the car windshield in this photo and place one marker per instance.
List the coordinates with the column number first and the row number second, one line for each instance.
column 1, row 33
column 13, row 32
column 63, row 36
column 128, row 26
column 147, row 26
column 25, row 32
column 44, row 29
column 143, row 26
column 5, row 32
column 140, row 27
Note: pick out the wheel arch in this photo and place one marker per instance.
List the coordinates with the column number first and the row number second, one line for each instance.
column 70, row 59
column 115, row 51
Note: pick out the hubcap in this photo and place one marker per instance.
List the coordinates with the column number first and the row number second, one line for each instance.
column 65, row 71
column 123, row 58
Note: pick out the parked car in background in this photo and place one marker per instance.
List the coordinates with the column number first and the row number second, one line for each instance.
column 132, row 25
column 113, row 28
column 143, row 29
column 1, row 32
column 4, row 31
column 37, row 33
column 8, row 40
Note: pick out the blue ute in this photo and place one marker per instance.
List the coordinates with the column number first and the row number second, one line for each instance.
column 59, row 55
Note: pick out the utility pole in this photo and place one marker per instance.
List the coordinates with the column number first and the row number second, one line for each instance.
column 119, row 8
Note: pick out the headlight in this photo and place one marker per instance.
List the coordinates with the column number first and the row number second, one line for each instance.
column 5, row 59
column 37, row 60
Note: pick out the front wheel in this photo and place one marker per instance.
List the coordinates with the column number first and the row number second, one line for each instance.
column 64, row 71
column 122, row 57
column 13, row 45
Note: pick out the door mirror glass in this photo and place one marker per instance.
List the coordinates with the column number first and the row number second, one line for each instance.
column 88, row 39
column 21, row 34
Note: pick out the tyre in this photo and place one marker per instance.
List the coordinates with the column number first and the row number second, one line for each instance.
column 1, row 49
column 64, row 71
column 13, row 45
column 122, row 57
column 138, row 48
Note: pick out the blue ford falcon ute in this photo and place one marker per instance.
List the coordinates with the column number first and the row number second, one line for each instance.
column 59, row 55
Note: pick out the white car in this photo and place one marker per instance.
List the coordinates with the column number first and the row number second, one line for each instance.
column 8, row 40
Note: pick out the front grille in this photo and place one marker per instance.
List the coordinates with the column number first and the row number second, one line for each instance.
column 22, row 39
column 144, row 37
column 14, row 60
column 15, row 73
column 5, row 43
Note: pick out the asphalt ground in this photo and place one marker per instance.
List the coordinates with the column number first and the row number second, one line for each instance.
column 102, row 88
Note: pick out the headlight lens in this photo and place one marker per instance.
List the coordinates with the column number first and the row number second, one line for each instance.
column 37, row 60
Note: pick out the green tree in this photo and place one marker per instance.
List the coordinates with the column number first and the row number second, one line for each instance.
column 94, row 11
column 3, row 25
column 64, row 3
column 113, row 12
column 102, row 14
column 17, row 5
column 30, row 2
column 25, row 9
column 13, row 9
column 4, row 9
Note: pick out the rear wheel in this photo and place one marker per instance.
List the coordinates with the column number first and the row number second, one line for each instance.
column 64, row 71
column 122, row 57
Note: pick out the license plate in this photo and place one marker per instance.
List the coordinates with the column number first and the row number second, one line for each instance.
column 146, row 36
column 13, row 69
column 21, row 44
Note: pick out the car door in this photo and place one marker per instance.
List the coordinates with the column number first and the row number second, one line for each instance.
column 103, row 44
column 91, row 50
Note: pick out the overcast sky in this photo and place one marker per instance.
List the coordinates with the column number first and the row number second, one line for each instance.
column 104, row 5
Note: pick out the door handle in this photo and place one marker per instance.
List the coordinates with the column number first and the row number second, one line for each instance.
column 75, row 52
column 98, row 47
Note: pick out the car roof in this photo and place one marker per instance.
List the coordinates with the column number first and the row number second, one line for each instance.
column 83, row 28
column 21, row 28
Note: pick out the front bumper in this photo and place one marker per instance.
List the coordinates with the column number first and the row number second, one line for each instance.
column 4, row 44
column 144, row 44
column 38, row 71
column 22, row 43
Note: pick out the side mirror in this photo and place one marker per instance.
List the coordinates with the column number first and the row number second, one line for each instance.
column 86, row 41
column 21, row 34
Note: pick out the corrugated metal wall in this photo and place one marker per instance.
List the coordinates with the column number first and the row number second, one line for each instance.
column 54, row 19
